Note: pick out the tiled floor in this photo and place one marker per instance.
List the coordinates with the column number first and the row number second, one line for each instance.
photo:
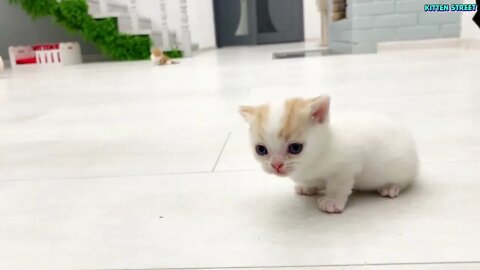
column 129, row 166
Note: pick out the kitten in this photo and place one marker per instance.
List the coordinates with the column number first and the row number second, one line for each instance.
column 295, row 138
column 159, row 58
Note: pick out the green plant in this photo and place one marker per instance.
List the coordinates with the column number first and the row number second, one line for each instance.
column 36, row 8
column 73, row 15
column 175, row 53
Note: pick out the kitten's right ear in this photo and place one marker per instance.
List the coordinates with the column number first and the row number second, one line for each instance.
column 320, row 109
column 247, row 112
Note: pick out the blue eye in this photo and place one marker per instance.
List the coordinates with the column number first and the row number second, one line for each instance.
column 295, row 148
column 261, row 150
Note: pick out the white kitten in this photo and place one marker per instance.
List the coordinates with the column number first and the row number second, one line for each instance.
column 295, row 138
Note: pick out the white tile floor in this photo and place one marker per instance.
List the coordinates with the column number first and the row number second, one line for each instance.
column 123, row 165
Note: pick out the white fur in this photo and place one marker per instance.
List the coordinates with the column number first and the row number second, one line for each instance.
column 359, row 151
column 362, row 152
column 274, row 124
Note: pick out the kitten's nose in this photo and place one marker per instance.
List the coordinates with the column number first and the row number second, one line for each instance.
column 277, row 165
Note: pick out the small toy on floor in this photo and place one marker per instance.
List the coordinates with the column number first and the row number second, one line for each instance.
column 159, row 58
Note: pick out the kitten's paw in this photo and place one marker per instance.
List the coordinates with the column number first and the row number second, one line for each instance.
column 331, row 205
column 389, row 190
column 307, row 191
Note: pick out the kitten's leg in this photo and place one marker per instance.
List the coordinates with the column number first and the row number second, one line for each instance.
column 307, row 191
column 389, row 190
column 336, row 194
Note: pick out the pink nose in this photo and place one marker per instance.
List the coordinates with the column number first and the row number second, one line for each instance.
column 277, row 166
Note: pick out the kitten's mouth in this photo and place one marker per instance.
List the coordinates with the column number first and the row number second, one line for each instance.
column 280, row 173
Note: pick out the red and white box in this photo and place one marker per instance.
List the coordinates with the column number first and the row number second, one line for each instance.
column 63, row 54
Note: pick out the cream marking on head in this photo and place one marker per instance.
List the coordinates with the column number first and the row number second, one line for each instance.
column 274, row 125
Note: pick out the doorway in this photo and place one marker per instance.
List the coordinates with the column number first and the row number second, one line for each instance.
column 252, row 22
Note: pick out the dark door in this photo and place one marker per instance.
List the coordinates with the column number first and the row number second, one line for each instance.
column 241, row 22
column 279, row 21
column 234, row 23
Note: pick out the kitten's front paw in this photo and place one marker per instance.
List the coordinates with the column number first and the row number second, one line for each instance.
column 331, row 205
column 390, row 191
column 307, row 191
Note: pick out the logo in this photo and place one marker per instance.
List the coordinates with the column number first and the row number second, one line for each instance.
column 450, row 8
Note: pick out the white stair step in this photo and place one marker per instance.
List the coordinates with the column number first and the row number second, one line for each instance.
column 195, row 46
column 144, row 23
column 100, row 9
column 106, row 15
column 137, row 33
column 93, row 7
column 117, row 8
column 125, row 25
column 112, row 10
column 157, row 39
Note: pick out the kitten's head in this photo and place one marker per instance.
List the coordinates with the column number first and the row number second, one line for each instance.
column 157, row 52
column 287, row 135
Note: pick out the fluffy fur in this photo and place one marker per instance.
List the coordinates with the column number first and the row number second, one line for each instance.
column 361, row 152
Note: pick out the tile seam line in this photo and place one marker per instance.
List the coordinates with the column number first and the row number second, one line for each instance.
column 221, row 151
column 122, row 176
column 184, row 173
column 303, row 266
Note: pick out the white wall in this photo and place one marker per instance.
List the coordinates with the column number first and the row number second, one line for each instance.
column 201, row 16
column 202, row 22
column 311, row 17
column 469, row 29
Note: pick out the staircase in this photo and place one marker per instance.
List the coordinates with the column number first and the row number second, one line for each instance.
column 131, row 22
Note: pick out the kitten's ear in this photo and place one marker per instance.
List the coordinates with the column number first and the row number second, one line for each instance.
column 320, row 109
column 247, row 112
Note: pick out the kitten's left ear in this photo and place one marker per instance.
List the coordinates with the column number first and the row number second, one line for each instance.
column 247, row 112
column 320, row 109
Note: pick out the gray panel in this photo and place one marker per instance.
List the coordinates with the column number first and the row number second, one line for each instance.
column 278, row 21
column 374, row 8
column 395, row 20
column 450, row 30
column 287, row 19
column 17, row 28
column 227, row 18
column 418, row 32
column 409, row 6
column 439, row 18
